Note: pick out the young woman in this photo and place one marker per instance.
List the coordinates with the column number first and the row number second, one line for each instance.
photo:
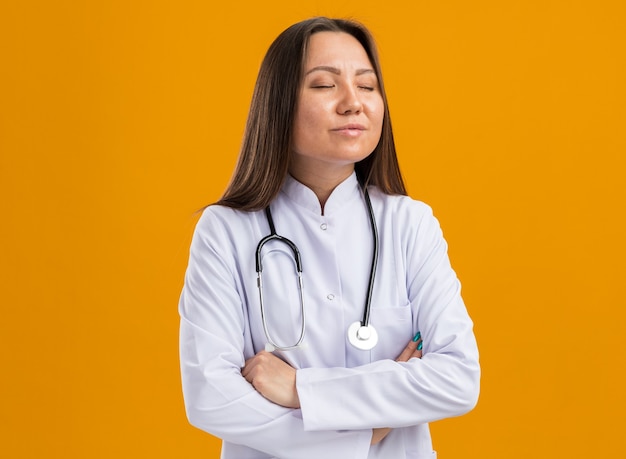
column 343, row 334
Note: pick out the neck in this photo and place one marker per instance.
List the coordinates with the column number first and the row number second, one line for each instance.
column 322, row 183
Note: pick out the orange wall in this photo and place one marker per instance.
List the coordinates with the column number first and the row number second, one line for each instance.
column 119, row 119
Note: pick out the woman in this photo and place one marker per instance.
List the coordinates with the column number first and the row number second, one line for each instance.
column 267, row 363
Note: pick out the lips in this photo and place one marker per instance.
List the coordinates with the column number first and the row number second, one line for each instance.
column 350, row 127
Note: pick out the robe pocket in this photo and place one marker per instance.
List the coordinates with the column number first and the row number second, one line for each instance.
column 394, row 326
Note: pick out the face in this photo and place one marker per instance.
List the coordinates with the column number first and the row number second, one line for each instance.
column 339, row 114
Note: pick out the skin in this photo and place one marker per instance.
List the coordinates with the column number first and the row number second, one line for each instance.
column 275, row 380
column 339, row 114
column 338, row 122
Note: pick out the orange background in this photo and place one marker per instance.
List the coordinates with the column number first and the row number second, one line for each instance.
column 118, row 120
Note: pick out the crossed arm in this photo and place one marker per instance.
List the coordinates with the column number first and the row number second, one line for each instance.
column 276, row 380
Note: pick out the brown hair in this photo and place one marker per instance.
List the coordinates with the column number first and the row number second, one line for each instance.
column 264, row 157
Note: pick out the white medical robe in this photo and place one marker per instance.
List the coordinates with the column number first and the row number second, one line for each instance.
column 344, row 392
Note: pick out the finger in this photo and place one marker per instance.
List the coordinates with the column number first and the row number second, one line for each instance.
column 250, row 364
column 417, row 352
column 408, row 351
column 247, row 368
column 259, row 361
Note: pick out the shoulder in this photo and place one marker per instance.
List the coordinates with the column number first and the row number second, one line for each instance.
column 218, row 214
column 408, row 220
column 220, row 223
column 401, row 207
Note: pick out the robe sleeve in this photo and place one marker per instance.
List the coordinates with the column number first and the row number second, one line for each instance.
column 217, row 398
column 443, row 383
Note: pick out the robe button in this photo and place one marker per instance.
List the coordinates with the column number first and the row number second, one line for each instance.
column 323, row 226
column 330, row 297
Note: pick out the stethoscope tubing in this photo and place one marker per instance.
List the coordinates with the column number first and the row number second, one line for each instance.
column 259, row 269
column 370, row 287
column 364, row 323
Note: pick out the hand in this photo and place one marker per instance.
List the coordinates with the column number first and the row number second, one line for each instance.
column 272, row 378
column 409, row 352
column 378, row 434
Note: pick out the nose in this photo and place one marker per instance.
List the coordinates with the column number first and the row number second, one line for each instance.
column 350, row 103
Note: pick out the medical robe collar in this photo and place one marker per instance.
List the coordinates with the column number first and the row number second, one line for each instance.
column 341, row 196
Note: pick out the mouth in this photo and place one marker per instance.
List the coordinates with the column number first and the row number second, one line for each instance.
column 350, row 127
column 350, row 130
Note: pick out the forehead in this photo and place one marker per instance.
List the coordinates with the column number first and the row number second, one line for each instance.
column 336, row 49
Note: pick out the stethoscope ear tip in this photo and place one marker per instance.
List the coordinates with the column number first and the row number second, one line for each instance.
column 269, row 347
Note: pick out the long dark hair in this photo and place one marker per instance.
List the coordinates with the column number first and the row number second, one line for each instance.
column 264, row 157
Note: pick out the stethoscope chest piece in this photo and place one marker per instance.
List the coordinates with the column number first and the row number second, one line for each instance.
column 362, row 337
column 360, row 334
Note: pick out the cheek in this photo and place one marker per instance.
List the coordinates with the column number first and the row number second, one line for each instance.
column 377, row 121
column 376, row 112
column 307, row 121
column 303, row 131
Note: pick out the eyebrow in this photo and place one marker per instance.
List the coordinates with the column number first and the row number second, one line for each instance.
column 335, row 70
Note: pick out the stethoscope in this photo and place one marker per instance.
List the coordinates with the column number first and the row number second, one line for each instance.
column 361, row 334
